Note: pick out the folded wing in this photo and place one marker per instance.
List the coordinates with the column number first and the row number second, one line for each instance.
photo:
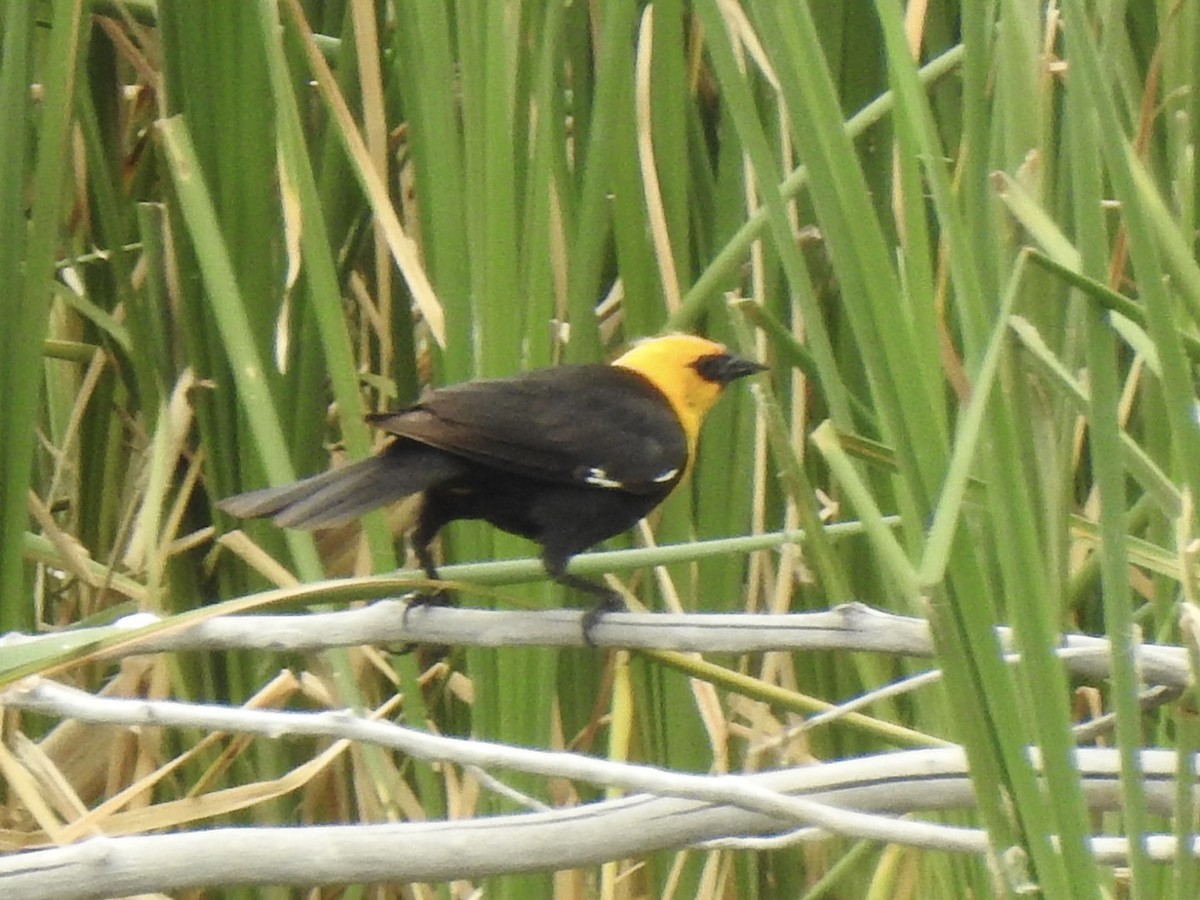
column 599, row 425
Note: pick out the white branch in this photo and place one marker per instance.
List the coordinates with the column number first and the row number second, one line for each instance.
column 54, row 699
column 851, row 626
column 855, row 798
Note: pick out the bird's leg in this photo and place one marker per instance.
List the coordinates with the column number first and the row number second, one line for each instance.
column 607, row 599
column 437, row 596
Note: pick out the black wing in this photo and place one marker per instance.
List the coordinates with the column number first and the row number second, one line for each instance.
column 599, row 425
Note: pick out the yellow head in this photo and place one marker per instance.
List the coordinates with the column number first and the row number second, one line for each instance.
column 690, row 371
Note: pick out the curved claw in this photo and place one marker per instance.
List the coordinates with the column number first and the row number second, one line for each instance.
column 614, row 602
column 440, row 597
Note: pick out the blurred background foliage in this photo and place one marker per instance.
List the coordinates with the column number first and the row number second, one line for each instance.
column 962, row 233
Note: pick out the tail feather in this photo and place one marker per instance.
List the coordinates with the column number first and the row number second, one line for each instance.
column 340, row 495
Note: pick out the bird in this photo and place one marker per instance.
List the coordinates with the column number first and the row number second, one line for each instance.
column 566, row 456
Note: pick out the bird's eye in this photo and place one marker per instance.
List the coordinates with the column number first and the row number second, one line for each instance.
column 712, row 367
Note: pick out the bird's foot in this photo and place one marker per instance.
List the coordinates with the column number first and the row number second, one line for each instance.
column 440, row 597
column 614, row 602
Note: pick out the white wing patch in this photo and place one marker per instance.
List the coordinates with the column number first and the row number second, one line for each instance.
column 598, row 477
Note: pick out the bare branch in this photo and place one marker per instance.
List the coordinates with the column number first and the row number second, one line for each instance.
column 850, row 626
column 856, row 798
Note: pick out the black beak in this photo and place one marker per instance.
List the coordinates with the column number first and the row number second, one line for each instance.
column 723, row 368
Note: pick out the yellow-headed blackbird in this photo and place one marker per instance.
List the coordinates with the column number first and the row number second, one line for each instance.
column 566, row 456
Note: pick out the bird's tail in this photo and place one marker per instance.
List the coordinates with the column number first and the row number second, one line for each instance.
column 345, row 493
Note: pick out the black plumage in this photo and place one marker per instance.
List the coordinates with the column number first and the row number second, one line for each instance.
column 565, row 457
